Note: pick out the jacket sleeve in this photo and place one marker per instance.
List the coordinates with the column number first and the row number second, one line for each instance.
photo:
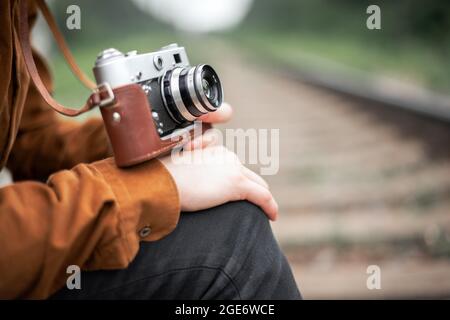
column 92, row 216
column 46, row 143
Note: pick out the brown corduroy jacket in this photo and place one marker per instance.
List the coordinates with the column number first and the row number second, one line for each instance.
column 87, row 213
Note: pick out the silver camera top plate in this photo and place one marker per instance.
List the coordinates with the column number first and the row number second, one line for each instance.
column 117, row 68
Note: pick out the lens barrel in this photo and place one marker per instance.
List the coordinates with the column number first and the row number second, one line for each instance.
column 191, row 92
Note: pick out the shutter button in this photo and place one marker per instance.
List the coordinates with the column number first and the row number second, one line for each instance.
column 145, row 231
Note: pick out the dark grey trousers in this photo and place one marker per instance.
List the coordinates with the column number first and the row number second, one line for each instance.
column 227, row 252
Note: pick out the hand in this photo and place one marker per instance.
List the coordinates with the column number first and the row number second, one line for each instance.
column 221, row 115
column 209, row 138
column 217, row 178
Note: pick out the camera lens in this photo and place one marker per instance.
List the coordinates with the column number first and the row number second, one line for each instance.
column 190, row 92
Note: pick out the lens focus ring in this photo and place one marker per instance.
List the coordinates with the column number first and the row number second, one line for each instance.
column 192, row 92
column 176, row 94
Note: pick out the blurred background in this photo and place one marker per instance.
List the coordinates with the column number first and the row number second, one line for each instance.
column 363, row 116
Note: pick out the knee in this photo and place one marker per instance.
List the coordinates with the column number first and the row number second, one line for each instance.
column 244, row 225
column 231, row 226
column 254, row 259
column 243, row 215
column 237, row 238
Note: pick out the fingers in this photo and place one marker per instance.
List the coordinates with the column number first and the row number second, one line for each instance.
column 223, row 114
column 254, row 177
column 262, row 197
column 208, row 139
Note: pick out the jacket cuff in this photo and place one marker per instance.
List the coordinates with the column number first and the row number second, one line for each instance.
column 147, row 196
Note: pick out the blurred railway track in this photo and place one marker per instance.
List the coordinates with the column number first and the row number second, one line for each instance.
column 360, row 183
column 378, row 88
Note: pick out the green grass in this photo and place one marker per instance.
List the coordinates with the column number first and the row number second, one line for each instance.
column 406, row 60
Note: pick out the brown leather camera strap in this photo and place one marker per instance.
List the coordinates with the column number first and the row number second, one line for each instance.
column 99, row 97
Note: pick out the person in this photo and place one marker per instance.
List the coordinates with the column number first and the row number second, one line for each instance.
column 70, row 205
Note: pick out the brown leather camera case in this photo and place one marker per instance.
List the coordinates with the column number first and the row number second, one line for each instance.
column 131, row 129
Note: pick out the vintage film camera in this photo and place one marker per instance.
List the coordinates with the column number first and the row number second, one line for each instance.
column 175, row 93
